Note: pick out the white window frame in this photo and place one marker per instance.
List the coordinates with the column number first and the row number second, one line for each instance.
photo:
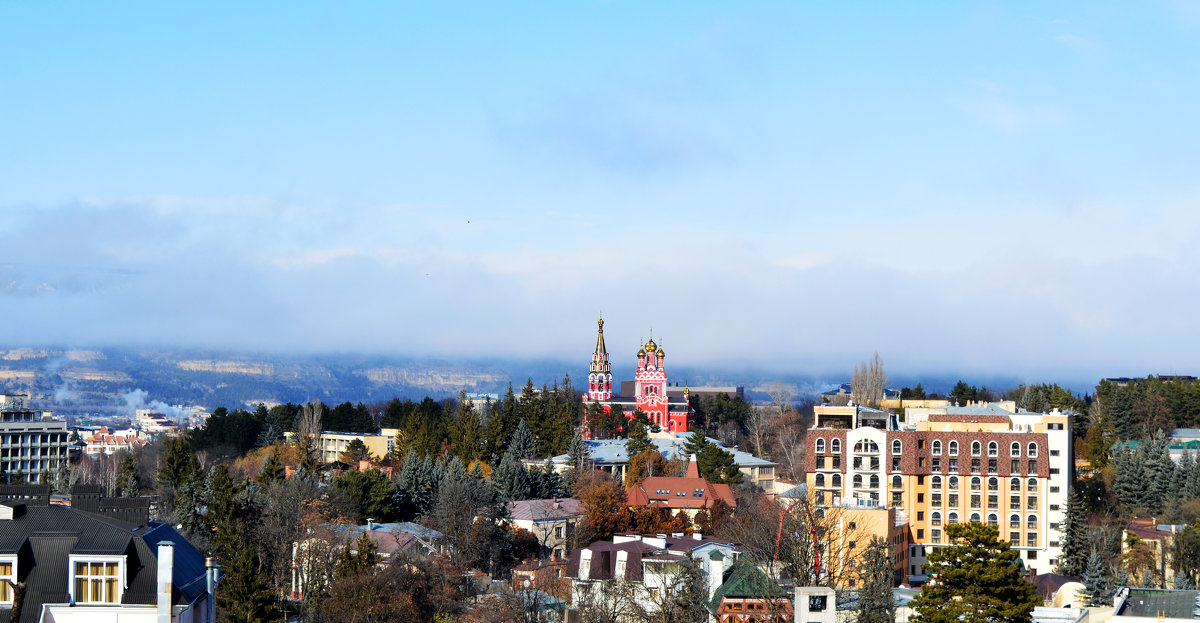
column 12, row 560
column 121, row 577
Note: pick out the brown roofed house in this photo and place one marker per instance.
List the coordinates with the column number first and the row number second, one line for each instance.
column 688, row 493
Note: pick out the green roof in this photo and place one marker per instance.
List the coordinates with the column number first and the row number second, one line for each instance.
column 745, row 580
column 1144, row 602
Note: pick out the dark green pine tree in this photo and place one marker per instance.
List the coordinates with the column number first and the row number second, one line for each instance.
column 577, row 450
column 272, row 469
column 522, row 445
column 1121, row 579
column 639, row 440
column 979, row 578
column 128, row 481
column 511, row 480
column 1128, row 484
column 694, row 443
column 1095, row 581
column 1075, row 542
column 362, row 558
column 244, row 594
column 716, row 465
column 500, row 427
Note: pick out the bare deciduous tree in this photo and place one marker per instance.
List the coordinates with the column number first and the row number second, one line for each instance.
column 868, row 381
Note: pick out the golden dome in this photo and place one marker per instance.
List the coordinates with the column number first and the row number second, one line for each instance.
column 686, row 391
column 601, row 323
column 661, row 353
column 641, row 353
column 651, row 346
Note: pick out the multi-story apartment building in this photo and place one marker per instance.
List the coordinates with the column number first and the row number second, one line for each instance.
column 30, row 440
column 948, row 465
column 332, row 443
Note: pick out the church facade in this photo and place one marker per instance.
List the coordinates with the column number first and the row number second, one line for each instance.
column 666, row 408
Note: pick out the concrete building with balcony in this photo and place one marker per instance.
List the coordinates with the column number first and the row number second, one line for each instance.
column 31, row 440
column 953, row 464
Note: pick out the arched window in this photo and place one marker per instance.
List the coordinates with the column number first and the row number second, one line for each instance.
column 874, row 481
column 993, row 448
column 1031, row 522
column 866, row 446
column 935, row 518
column 857, row 481
column 953, row 448
column 993, row 520
column 837, row 480
column 820, row 446
column 936, row 483
column 820, row 480
column 954, row 483
column 975, row 482
column 1014, row 522
column 993, row 483
column 897, row 447
column 835, row 446
column 1014, row 485
column 937, row 447
column 975, row 517
column 952, row 518
column 976, row 448
column 1015, row 450
column 1031, row 484
column 897, row 482
column 1032, row 450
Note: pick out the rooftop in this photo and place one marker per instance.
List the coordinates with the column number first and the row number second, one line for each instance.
column 1150, row 602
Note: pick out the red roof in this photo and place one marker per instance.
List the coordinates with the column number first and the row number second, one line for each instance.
column 676, row 493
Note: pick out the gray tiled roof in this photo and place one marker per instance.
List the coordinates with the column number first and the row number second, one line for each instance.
column 612, row 451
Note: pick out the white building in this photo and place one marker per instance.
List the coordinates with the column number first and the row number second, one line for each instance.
column 30, row 440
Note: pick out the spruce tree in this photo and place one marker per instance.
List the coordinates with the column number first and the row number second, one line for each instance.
column 128, row 482
column 1182, row 582
column 522, row 445
column 694, row 443
column 979, row 578
column 1121, row 579
column 272, row 469
column 577, row 450
column 875, row 601
column 511, row 480
column 639, row 440
column 1095, row 581
column 1075, row 542
column 245, row 594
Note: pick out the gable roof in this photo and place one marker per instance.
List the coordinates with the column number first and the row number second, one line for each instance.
column 678, row 493
column 552, row 509
column 745, row 580
column 44, row 538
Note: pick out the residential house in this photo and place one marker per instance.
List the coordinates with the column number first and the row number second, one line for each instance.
column 747, row 595
column 1158, row 538
column 99, row 559
column 314, row 556
column 689, row 493
column 552, row 521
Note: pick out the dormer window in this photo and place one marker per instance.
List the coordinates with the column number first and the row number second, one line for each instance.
column 97, row 579
column 8, row 571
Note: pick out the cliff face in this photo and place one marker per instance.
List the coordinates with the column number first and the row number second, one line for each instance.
column 438, row 380
column 226, row 367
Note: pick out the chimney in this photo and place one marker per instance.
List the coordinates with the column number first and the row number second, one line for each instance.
column 166, row 571
column 716, row 572
column 693, row 468
column 212, row 575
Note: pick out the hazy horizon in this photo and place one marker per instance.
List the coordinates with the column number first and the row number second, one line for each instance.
column 983, row 190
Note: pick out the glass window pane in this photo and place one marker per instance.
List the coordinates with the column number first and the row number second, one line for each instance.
column 81, row 589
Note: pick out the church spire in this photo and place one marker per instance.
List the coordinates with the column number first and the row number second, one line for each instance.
column 600, row 374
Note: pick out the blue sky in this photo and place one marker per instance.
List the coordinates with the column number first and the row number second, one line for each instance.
column 1004, row 188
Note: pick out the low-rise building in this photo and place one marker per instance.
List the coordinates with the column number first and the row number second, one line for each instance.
column 689, row 493
column 552, row 521
column 1158, row 538
column 99, row 559
column 104, row 441
column 332, row 443
column 747, row 595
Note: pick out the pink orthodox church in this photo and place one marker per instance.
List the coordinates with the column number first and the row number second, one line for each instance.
column 650, row 390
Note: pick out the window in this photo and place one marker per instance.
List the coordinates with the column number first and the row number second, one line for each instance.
column 935, row 518
column 835, row 446
column 874, row 481
column 954, row 465
column 897, row 447
column 974, row 466
column 954, row 483
column 920, row 498
column 952, row 518
column 1031, row 484
column 993, row 449
column 937, row 447
column 993, row 502
column 992, row 467
column 1033, row 467
column 1015, row 449
column 895, row 464
column 921, row 461
column 976, row 448
column 993, row 483
column 1015, row 467
column 1014, row 484
column 953, row 500
column 975, row 482
column 1053, row 489
column 1031, row 539
column 857, row 481
column 1032, row 554
column 897, row 500
column 1031, row 522
column 937, row 465
column 993, row 519
column 820, row 445
column 8, row 571
column 558, row 532
column 974, row 501
column 953, row 448
column 897, row 482
column 920, row 515
column 1014, row 502
column 1014, row 522
column 1031, row 503
column 936, row 499
column 920, row 444
column 975, row 517
column 1054, row 453
column 1032, row 450
column 1015, row 537
column 819, row 480
column 96, row 581
column 936, row 482
column 935, row 535
column 920, row 533
column 837, row 480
